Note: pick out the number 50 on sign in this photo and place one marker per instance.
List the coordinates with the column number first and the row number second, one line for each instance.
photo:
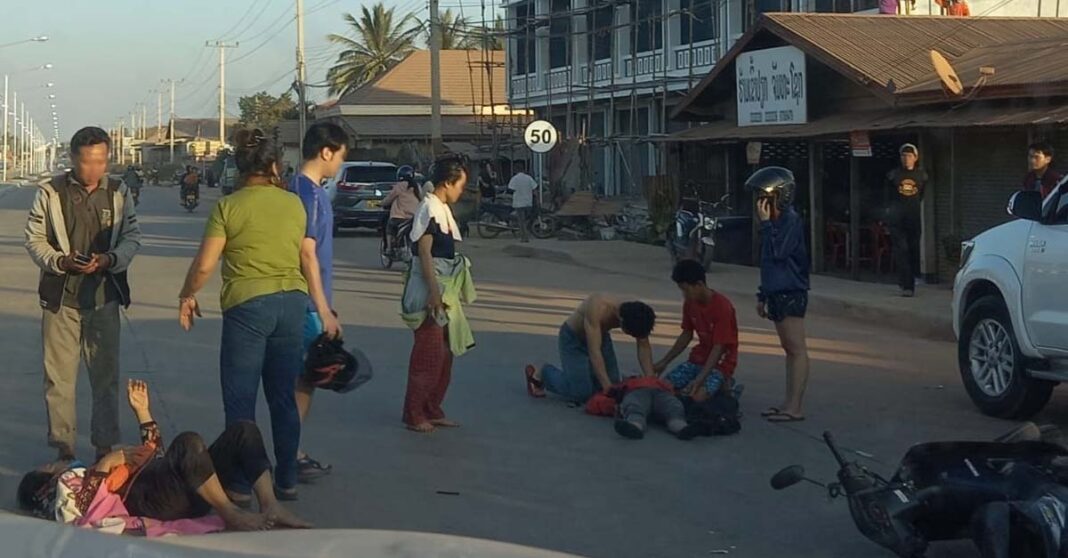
column 540, row 136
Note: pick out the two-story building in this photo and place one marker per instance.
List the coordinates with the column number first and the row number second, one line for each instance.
column 607, row 73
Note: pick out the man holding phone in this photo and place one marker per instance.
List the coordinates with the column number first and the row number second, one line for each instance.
column 83, row 233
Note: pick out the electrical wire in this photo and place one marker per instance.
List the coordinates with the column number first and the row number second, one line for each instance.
column 237, row 23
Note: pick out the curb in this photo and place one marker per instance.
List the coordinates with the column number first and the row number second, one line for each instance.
column 899, row 320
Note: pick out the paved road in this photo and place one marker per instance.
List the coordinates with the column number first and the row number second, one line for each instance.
column 529, row 472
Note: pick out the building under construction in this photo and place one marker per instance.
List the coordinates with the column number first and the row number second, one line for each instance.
column 607, row 73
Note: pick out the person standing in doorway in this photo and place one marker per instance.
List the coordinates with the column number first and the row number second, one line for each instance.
column 257, row 232
column 783, row 294
column 522, row 186
column 83, row 234
column 325, row 147
column 908, row 183
column 1041, row 177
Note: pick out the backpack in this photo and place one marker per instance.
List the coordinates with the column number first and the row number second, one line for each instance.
column 718, row 416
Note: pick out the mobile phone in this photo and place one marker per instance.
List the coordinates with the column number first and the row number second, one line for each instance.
column 83, row 259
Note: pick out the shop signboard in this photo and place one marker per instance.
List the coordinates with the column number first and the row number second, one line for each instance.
column 771, row 87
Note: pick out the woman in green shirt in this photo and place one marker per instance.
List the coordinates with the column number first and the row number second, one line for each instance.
column 257, row 231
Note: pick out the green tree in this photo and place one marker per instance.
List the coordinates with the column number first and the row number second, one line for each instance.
column 263, row 110
column 373, row 44
column 455, row 33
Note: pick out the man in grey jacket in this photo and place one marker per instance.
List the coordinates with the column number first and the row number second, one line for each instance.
column 82, row 232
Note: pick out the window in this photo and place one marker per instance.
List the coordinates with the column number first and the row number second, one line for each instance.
column 647, row 14
column 600, row 23
column 523, row 57
column 369, row 175
column 703, row 21
column 560, row 34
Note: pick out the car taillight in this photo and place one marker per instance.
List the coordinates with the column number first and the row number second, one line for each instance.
column 348, row 187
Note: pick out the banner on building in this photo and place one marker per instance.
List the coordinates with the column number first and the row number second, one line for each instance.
column 771, row 87
column 860, row 143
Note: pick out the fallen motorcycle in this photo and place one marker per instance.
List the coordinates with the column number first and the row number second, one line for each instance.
column 1008, row 496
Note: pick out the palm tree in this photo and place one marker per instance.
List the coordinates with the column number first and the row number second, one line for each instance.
column 373, row 45
column 455, row 33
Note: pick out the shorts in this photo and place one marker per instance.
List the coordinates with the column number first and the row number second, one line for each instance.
column 683, row 374
column 791, row 304
column 313, row 328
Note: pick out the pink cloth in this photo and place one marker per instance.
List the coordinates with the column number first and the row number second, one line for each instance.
column 108, row 513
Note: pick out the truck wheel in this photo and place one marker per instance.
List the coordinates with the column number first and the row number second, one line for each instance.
column 991, row 365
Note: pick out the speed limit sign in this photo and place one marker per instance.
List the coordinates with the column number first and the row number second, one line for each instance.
column 540, row 136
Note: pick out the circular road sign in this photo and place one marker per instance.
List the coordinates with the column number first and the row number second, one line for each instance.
column 540, row 136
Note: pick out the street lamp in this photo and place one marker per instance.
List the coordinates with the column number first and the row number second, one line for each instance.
column 37, row 39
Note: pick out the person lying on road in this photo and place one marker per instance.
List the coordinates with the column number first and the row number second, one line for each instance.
column 187, row 481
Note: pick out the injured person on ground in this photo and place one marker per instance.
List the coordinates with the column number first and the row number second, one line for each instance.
column 148, row 491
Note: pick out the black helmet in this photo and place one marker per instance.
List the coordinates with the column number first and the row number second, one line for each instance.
column 776, row 182
column 329, row 366
column 405, row 173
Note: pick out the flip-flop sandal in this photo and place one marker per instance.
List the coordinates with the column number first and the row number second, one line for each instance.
column 784, row 417
column 533, row 384
column 420, row 428
column 770, row 411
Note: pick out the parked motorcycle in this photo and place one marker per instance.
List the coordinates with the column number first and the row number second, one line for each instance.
column 495, row 218
column 1008, row 495
column 399, row 247
column 692, row 235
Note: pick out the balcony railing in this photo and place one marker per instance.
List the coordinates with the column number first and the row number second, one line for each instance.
column 519, row 85
column 703, row 53
column 648, row 63
column 559, row 78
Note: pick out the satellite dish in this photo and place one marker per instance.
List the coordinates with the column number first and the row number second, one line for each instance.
column 946, row 73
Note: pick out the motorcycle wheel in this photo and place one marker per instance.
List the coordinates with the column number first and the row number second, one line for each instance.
column 488, row 226
column 383, row 253
column 705, row 253
column 543, row 227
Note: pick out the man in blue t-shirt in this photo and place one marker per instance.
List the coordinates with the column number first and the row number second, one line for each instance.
column 325, row 147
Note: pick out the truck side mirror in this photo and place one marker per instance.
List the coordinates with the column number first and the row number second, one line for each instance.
column 1026, row 204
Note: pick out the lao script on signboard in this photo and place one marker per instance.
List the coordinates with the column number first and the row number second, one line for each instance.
column 771, row 87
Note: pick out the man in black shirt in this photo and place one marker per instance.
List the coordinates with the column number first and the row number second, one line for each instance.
column 908, row 183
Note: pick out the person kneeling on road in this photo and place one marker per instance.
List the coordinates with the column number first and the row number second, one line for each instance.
column 711, row 316
column 188, row 481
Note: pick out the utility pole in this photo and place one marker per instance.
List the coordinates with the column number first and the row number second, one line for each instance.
column 302, row 104
column 222, row 46
column 122, row 136
column 144, row 118
column 5, row 129
column 172, row 83
column 17, row 132
column 435, row 79
column 159, row 115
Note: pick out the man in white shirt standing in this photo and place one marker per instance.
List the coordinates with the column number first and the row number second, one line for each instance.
column 522, row 187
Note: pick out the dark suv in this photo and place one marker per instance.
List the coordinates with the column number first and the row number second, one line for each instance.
column 358, row 191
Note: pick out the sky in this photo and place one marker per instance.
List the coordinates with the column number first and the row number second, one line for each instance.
column 110, row 55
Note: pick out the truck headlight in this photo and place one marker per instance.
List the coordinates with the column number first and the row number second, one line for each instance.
column 966, row 249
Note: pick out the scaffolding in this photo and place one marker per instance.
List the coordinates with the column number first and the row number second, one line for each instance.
column 621, row 134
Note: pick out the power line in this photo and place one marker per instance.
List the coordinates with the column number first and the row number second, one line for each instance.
column 239, row 21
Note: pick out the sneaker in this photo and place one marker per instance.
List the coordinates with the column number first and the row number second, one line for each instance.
column 309, row 469
column 629, row 430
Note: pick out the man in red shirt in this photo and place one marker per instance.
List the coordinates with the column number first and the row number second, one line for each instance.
column 711, row 316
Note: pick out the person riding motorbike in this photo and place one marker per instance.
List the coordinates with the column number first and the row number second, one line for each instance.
column 133, row 181
column 190, row 183
column 403, row 200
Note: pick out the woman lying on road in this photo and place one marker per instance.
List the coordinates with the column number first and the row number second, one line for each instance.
column 187, row 482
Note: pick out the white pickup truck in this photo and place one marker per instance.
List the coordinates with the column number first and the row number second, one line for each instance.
column 1010, row 307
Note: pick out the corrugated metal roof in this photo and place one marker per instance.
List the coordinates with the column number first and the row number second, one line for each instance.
column 879, row 50
column 464, row 81
column 371, row 127
column 884, row 120
column 1031, row 64
column 883, row 48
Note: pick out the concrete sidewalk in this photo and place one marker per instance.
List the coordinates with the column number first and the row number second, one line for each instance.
column 927, row 315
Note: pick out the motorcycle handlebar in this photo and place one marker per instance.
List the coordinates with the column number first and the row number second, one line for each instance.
column 829, row 440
